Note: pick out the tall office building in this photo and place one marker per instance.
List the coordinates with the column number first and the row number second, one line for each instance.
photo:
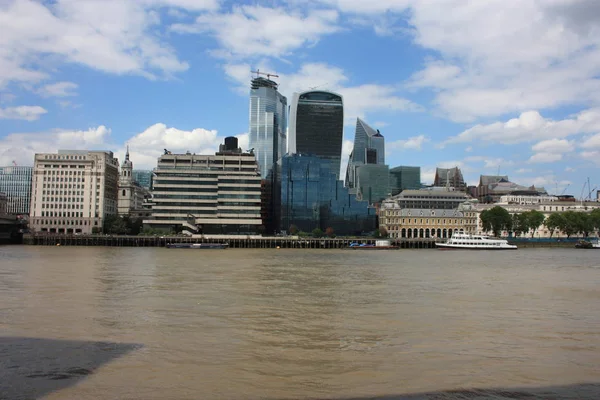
column 317, row 126
column 309, row 195
column 3, row 204
column 366, row 173
column 404, row 177
column 268, row 123
column 15, row 183
column 210, row 194
column 142, row 178
column 73, row 191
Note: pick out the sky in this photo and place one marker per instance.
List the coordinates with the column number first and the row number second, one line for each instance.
column 496, row 86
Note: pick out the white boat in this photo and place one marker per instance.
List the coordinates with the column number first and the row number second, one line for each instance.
column 475, row 242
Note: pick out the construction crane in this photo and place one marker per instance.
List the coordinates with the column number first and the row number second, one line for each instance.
column 267, row 74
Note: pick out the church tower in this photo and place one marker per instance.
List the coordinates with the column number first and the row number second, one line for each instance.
column 126, row 186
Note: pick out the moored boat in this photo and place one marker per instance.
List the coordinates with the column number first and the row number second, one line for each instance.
column 588, row 244
column 475, row 242
column 197, row 245
column 379, row 245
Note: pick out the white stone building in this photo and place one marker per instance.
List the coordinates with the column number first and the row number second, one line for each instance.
column 73, row 191
column 526, row 199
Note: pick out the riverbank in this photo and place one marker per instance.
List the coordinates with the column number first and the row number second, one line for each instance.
column 291, row 242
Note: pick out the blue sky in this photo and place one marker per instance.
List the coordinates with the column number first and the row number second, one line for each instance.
column 509, row 86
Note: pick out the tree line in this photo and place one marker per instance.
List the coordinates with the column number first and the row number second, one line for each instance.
column 497, row 219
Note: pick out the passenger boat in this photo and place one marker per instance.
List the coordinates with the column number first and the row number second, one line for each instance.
column 197, row 245
column 588, row 244
column 475, row 242
column 379, row 245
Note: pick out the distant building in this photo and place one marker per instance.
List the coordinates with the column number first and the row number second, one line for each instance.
column 15, row 183
column 317, row 126
column 73, row 191
column 450, row 177
column 526, row 199
column 131, row 195
column 491, row 188
column 366, row 174
column 211, row 194
column 268, row 123
column 403, row 178
column 309, row 195
column 409, row 223
column 435, row 198
column 143, row 178
column 3, row 204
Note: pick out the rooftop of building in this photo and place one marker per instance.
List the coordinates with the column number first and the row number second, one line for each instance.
column 426, row 212
column 433, row 191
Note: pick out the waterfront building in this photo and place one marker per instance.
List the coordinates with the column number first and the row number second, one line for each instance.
column 131, row 195
column 143, row 178
column 15, row 183
column 210, row 194
column 366, row 173
column 403, row 178
column 73, row 191
column 268, row 123
column 491, row 188
column 406, row 223
column 309, row 195
column 450, row 178
column 317, row 126
column 430, row 198
column 3, row 204
column 517, row 198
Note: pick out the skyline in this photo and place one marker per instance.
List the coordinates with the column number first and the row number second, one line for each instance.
column 508, row 87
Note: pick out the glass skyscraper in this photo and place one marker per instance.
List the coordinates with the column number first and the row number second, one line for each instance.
column 317, row 126
column 143, row 178
column 366, row 174
column 268, row 123
column 309, row 195
column 403, row 177
column 15, row 182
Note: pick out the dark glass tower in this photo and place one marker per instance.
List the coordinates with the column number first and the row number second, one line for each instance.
column 317, row 126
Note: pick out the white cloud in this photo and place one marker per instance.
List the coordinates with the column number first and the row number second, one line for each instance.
column 253, row 31
column 490, row 162
column 540, row 158
column 554, row 146
column 114, row 36
column 412, row 143
column 570, row 169
column 58, row 89
column 531, row 126
column 469, row 149
column 27, row 113
column 524, row 171
column 380, row 124
column 21, row 147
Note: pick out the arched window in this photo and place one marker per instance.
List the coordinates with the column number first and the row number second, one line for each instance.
column 123, row 191
column 404, row 232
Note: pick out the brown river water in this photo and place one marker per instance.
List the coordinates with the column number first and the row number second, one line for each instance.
column 154, row 323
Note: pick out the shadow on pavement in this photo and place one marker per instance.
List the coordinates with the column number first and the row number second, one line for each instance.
column 31, row 368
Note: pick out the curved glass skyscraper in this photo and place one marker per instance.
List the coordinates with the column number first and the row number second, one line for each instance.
column 268, row 123
column 317, row 126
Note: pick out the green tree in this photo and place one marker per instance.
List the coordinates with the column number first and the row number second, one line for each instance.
column 520, row 224
column 115, row 225
column 584, row 223
column 317, row 233
column 496, row 219
column 554, row 221
column 569, row 223
column 293, row 230
column 535, row 219
column 595, row 216
column 383, row 232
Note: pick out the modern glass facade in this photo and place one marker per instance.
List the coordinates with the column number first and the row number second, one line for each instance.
column 15, row 182
column 309, row 195
column 369, row 144
column 372, row 182
column 404, row 177
column 450, row 177
column 143, row 178
column 317, row 126
column 268, row 123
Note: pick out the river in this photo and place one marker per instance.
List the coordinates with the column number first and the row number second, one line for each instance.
column 154, row 323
